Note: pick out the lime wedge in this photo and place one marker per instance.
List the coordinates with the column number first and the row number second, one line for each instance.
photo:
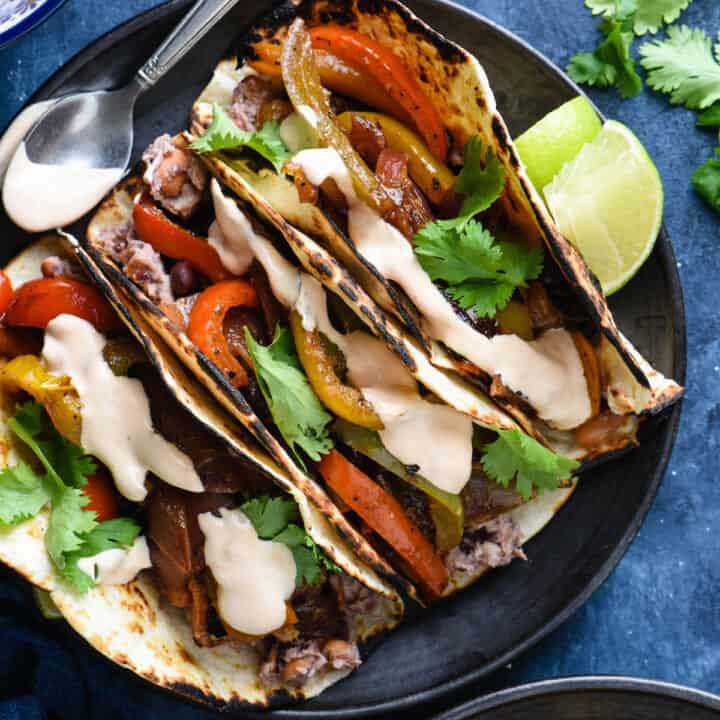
column 608, row 201
column 557, row 139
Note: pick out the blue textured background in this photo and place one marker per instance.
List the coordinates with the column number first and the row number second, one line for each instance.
column 658, row 615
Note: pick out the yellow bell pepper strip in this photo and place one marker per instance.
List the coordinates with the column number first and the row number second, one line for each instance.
column 446, row 509
column 385, row 67
column 302, row 83
column 335, row 75
column 56, row 394
column 433, row 177
column 342, row 400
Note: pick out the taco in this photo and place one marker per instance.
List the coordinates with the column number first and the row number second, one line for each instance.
column 369, row 131
column 161, row 532
column 307, row 368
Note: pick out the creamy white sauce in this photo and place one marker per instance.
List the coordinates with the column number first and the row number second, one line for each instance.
column 116, row 423
column 254, row 577
column 409, row 420
column 40, row 197
column 18, row 129
column 118, row 565
column 548, row 371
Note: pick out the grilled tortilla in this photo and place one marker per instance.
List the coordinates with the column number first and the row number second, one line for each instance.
column 136, row 624
column 457, row 87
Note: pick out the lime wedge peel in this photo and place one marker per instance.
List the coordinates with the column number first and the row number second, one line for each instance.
column 608, row 201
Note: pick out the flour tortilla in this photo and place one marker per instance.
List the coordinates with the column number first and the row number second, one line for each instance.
column 454, row 81
column 131, row 624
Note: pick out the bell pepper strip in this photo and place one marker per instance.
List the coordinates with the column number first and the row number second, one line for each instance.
column 446, row 509
column 6, row 291
column 597, row 430
column 514, row 319
column 169, row 239
column 122, row 353
column 37, row 302
column 205, row 328
column 591, row 369
column 55, row 393
column 385, row 515
column 433, row 177
column 302, row 83
column 385, row 67
column 335, row 75
column 342, row 400
column 103, row 501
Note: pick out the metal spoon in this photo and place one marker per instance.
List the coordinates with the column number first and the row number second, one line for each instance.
column 95, row 129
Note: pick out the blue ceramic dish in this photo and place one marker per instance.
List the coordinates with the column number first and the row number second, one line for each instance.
column 20, row 16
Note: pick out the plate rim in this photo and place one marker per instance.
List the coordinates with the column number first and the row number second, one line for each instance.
column 572, row 684
column 666, row 255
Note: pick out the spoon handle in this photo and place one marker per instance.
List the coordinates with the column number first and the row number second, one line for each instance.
column 200, row 19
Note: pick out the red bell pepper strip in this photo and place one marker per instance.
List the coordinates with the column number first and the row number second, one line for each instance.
column 205, row 328
column 103, row 501
column 381, row 63
column 37, row 302
column 154, row 227
column 6, row 291
column 385, row 515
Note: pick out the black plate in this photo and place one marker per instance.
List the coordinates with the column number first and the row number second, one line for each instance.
column 457, row 642
column 592, row 698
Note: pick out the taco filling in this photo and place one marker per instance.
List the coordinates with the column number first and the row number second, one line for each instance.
column 132, row 483
column 426, row 214
column 432, row 491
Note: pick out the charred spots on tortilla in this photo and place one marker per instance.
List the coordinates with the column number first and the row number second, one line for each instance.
column 500, row 133
column 350, row 291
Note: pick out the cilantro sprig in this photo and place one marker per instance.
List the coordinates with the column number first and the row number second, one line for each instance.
column 73, row 531
column 295, row 408
column 706, row 181
column 516, row 456
column 649, row 15
column 224, row 134
column 611, row 63
column 276, row 519
column 481, row 273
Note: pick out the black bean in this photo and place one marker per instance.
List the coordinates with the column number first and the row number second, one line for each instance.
column 183, row 280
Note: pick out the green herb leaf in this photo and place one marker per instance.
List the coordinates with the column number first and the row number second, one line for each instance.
column 649, row 15
column 270, row 516
column 23, row 494
column 108, row 535
column 706, row 181
column 516, row 456
column 69, row 523
column 481, row 273
column 685, row 66
column 297, row 412
column 224, row 134
column 481, row 186
column 611, row 63
column 710, row 117
column 273, row 519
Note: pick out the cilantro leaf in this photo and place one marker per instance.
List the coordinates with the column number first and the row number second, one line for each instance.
column 64, row 462
column 23, row 494
column 69, row 523
column 270, row 516
column 685, row 66
column 649, row 15
column 297, row 412
column 272, row 519
column 706, row 181
column 710, row 117
column 224, row 134
column 108, row 535
column 611, row 63
column 481, row 273
column 481, row 186
column 516, row 456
